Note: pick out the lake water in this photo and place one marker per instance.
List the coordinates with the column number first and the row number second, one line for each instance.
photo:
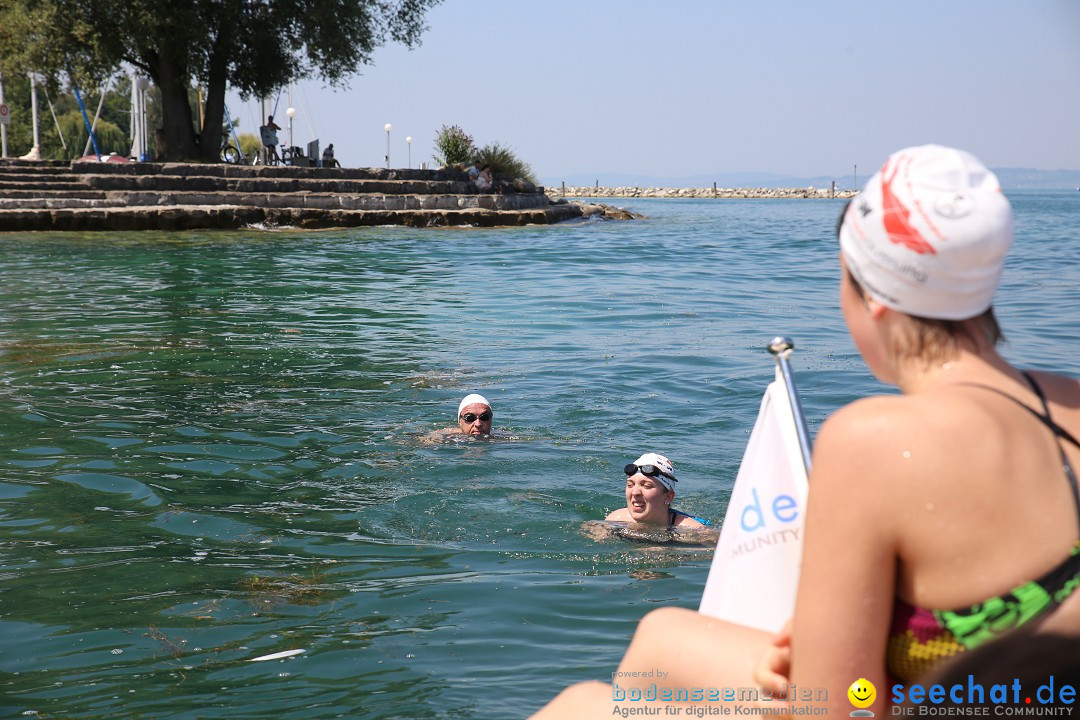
column 210, row 446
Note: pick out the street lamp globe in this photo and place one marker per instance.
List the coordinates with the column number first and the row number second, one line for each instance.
column 291, row 112
column 142, row 83
column 388, row 127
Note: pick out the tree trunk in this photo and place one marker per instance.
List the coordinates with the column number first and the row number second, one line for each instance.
column 178, row 133
column 214, row 112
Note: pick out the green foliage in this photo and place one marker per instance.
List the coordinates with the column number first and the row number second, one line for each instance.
column 505, row 164
column 110, row 139
column 453, row 146
column 249, row 145
column 111, row 130
column 254, row 47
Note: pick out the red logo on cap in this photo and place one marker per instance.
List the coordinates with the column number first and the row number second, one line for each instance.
column 897, row 217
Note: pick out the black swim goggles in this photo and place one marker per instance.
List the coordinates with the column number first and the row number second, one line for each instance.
column 471, row 417
column 646, row 470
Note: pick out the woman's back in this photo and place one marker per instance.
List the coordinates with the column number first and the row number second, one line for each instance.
column 966, row 490
column 984, row 503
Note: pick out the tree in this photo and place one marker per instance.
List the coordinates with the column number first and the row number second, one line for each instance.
column 453, row 146
column 254, row 46
column 67, row 141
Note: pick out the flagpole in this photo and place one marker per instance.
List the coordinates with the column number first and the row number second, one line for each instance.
column 781, row 348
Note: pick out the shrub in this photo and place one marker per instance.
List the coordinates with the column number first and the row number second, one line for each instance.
column 249, row 144
column 453, row 146
column 505, row 164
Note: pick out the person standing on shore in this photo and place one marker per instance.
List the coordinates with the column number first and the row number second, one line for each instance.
column 269, row 137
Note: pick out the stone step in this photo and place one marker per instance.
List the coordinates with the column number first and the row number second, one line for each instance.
column 51, row 194
column 44, row 178
column 32, row 174
column 33, row 164
column 235, row 217
column 68, row 184
column 164, row 183
column 298, row 200
column 263, row 171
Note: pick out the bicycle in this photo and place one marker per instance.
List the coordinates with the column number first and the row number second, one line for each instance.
column 229, row 152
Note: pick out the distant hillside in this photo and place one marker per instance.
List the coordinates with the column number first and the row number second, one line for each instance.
column 1028, row 179
column 1011, row 179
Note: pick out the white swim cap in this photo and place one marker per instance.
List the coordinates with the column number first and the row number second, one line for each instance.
column 662, row 464
column 472, row 400
column 929, row 233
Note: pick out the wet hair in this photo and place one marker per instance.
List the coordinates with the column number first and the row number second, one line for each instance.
column 934, row 338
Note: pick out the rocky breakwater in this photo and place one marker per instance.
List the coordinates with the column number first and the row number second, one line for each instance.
column 718, row 193
column 91, row 196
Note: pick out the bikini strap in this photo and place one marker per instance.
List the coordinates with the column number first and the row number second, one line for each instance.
column 1060, row 433
column 1045, row 419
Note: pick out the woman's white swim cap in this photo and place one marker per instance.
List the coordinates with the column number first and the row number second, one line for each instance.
column 929, row 233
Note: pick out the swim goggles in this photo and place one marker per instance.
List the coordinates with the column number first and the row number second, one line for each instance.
column 471, row 417
column 646, row 470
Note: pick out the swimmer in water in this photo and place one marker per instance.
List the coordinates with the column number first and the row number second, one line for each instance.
column 650, row 489
column 474, row 419
column 648, row 516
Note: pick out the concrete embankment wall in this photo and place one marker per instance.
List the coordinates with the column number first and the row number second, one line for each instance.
column 182, row 196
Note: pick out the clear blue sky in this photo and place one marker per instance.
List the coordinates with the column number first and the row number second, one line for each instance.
column 690, row 87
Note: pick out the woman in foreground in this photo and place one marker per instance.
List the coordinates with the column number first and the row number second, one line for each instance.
column 938, row 519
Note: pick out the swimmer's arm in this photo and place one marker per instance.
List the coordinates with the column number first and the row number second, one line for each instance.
column 597, row 530
column 687, row 522
column 436, row 435
column 846, row 586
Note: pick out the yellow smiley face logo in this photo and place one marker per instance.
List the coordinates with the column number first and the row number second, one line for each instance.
column 862, row 693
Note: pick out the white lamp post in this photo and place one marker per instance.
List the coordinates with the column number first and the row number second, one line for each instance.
column 388, row 127
column 3, row 125
column 35, row 151
column 408, row 141
column 291, row 112
column 142, row 83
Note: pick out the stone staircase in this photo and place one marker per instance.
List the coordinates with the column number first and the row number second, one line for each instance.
column 54, row 195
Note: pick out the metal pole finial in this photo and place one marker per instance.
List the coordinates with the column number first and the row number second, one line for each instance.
column 782, row 347
column 781, row 344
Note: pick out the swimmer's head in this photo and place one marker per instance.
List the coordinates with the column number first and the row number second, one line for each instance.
column 474, row 415
column 650, row 488
column 655, row 466
column 928, row 234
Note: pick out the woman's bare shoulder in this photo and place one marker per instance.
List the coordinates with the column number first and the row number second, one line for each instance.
column 620, row 515
column 887, row 445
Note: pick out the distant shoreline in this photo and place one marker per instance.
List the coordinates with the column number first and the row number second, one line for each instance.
column 560, row 191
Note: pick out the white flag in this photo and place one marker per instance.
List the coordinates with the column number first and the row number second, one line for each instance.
column 755, row 571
